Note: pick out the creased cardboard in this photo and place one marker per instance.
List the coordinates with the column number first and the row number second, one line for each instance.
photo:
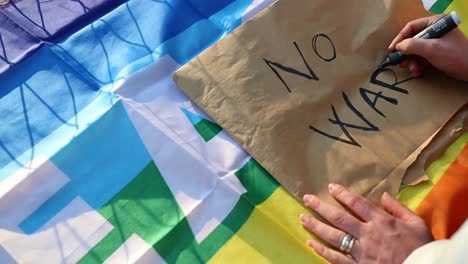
column 298, row 87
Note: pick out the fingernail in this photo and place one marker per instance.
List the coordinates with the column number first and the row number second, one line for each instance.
column 303, row 218
column 398, row 46
column 385, row 195
column 332, row 187
column 314, row 244
column 307, row 198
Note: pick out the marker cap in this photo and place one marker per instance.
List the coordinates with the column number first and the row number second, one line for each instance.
column 455, row 17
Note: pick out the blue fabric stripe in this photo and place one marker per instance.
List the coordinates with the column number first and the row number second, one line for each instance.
column 42, row 93
column 54, row 19
column 36, row 97
column 99, row 163
column 193, row 118
column 60, row 137
column 141, row 31
column 15, row 43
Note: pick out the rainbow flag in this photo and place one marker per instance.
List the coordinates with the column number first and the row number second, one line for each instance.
column 441, row 201
column 104, row 160
column 447, row 6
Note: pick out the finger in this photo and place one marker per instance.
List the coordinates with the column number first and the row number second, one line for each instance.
column 420, row 47
column 404, row 64
column 413, row 28
column 423, row 64
column 331, row 255
column 417, row 69
column 417, row 65
column 327, row 233
column 396, row 209
column 360, row 206
column 414, row 67
column 338, row 218
column 409, row 30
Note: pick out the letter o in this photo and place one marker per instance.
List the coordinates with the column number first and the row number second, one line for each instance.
column 314, row 46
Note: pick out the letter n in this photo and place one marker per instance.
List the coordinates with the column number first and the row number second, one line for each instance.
column 276, row 67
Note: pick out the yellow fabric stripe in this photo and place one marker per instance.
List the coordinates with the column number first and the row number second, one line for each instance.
column 461, row 6
column 273, row 234
column 412, row 196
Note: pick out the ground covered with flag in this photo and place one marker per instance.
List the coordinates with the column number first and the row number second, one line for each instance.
column 104, row 159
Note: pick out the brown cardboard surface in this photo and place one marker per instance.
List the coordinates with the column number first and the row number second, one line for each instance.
column 298, row 88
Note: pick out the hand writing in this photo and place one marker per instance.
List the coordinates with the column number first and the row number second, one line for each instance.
column 378, row 236
column 448, row 54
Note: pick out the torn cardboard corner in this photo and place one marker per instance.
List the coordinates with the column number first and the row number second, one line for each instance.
column 456, row 127
column 298, row 87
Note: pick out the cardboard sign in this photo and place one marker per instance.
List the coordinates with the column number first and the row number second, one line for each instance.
column 298, row 87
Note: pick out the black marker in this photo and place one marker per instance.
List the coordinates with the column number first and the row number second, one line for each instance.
column 437, row 30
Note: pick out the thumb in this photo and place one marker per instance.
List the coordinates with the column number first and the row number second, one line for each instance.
column 421, row 47
column 395, row 208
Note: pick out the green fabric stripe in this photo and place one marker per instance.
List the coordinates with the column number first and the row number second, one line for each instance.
column 105, row 247
column 179, row 248
column 440, row 6
column 207, row 129
column 260, row 185
column 231, row 224
column 258, row 182
column 144, row 207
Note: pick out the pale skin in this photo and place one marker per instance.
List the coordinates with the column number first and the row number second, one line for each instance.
column 449, row 54
column 386, row 234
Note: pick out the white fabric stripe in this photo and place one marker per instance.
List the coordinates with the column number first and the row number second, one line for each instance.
column 429, row 3
column 202, row 220
column 256, row 7
column 186, row 161
column 5, row 257
column 65, row 239
column 135, row 250
column 23, row 192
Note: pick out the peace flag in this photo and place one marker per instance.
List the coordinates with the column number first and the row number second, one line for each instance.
column 104, row 160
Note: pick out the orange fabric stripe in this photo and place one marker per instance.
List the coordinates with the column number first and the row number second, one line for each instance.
column 445, row 208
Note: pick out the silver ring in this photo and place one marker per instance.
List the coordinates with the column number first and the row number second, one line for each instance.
column 347, row 243
column 350, row 245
